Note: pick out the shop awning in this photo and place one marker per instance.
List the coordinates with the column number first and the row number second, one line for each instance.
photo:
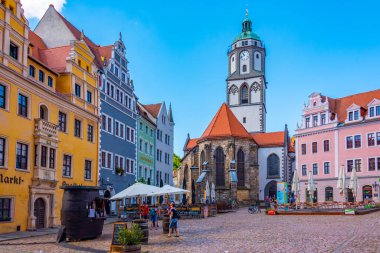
column 201, row 177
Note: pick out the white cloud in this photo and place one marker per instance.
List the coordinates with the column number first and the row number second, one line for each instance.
column 37, row 8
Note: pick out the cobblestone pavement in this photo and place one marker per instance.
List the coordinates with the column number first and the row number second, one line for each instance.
column 238, row 232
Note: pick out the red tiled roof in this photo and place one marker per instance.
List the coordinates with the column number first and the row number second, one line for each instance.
column 55, row 58
column 93, row 47
column 225, row 124
column 271, row 139
column 106, row 51
column 153, row 109
column 37, row 43
column 340, row 105
column 191, row 143
column 36, row 40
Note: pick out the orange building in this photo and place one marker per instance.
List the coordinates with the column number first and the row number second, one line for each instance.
column 48, row 122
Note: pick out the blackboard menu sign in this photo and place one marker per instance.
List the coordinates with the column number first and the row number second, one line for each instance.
column 117, row 226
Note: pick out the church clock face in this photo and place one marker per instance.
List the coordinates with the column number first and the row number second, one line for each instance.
column 244, row 55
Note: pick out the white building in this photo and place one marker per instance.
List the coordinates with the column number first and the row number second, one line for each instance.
column 164, row 142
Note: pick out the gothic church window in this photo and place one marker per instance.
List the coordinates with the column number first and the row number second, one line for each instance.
column 273, row 166
column 240, row 167
column 244, row 94
column 203, row 158
column 219, row 167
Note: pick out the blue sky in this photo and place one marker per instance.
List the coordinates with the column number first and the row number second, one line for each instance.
column 177, row 51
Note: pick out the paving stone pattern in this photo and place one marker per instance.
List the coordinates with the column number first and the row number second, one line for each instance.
column 238, row 232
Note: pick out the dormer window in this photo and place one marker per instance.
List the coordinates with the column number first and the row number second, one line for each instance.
column 353, row 115
column 372, row 111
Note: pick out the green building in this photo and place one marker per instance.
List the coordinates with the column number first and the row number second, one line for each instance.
column 146, row 146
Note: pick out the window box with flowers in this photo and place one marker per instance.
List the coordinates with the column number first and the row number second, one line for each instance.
column 119, row 171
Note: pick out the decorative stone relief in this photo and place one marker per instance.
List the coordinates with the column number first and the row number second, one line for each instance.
column 233, row 90
column 255, row 87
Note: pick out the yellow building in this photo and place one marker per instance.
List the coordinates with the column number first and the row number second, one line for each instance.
column 48, row 122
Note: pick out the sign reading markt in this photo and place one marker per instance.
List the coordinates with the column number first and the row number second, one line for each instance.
column 10, row 180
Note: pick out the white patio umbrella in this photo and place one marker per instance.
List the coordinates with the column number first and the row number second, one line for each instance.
column 136, row 190
column 311, row 186
column 212, row 192
column 295, row 183
column 207, row 191
column 168, row 189
column 296, row 186
column 341, row 185
column 353, row 182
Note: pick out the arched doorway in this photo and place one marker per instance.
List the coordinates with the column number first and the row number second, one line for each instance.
column 107, row 195
column 271, row 189
column 367, row 192
column 39, row 212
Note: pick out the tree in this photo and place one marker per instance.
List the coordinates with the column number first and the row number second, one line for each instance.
column 176, row 162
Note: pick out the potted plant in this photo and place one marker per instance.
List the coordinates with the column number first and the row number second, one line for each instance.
column 119, row 171
column 131, row 238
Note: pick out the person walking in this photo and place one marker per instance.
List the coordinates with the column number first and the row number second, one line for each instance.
column 152, row 217
column 145, row 211
column 173, row 225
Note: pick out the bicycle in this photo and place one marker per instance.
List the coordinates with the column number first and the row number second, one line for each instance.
column 254, row 209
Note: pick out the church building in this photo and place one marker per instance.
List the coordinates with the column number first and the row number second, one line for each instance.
column 235, row 153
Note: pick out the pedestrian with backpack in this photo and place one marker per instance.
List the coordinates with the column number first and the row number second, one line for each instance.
column 173, row 225
column 153, row 217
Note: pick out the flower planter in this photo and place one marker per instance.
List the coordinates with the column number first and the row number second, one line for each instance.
column 143, row 224
column 132, row 248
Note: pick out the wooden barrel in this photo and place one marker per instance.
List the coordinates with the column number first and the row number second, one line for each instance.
column 74, row 213
column 165, row 224
column 143, row 224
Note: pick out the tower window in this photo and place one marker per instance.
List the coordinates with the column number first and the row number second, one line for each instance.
column 244, row 120
column 244, row 68
column 244, row 94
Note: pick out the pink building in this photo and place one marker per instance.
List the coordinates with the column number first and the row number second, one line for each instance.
column 335, row 132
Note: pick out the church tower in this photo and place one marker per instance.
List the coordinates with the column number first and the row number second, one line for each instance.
column 246, row 78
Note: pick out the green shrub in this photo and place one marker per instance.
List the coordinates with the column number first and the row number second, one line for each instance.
column 132, row 236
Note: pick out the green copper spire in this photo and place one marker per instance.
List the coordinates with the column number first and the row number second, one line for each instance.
column 246, row 32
